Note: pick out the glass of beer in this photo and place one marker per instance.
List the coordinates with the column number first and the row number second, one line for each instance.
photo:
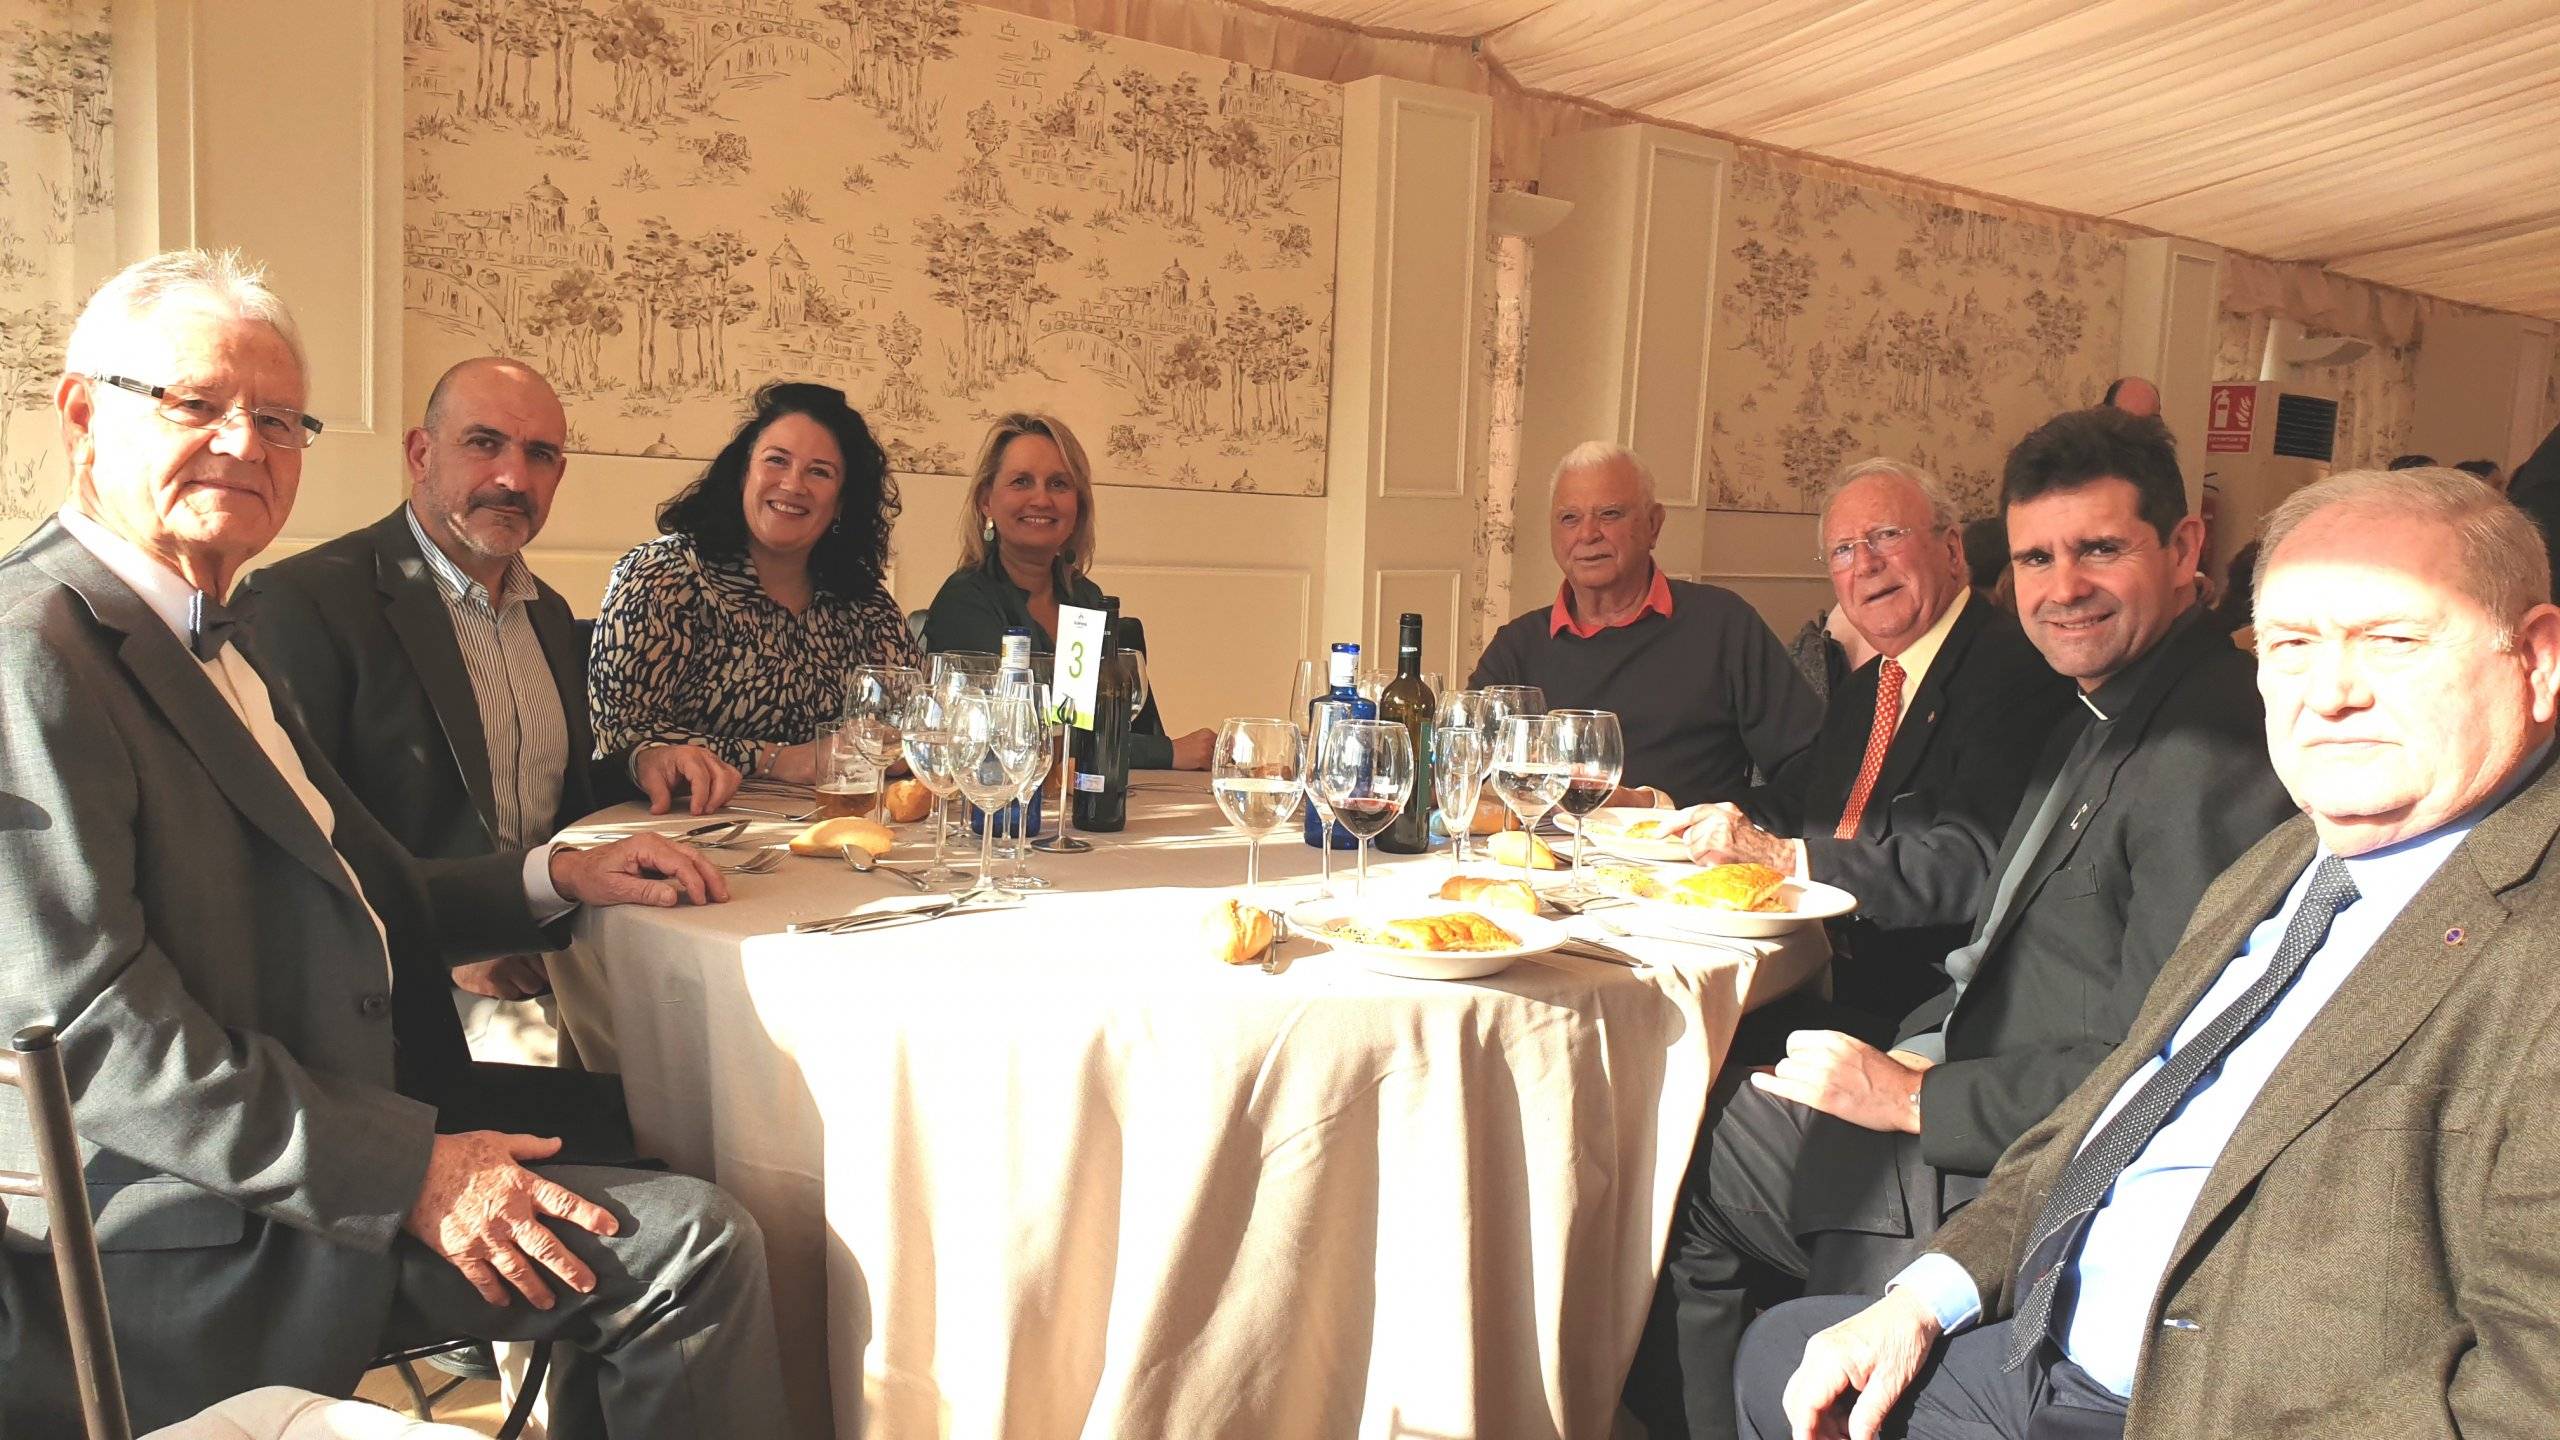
column 848, row 783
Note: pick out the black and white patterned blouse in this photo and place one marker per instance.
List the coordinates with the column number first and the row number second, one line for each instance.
column 690, row 650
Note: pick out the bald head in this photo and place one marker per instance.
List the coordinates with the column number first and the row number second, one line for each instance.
column 486, row 460
column 2134, row 396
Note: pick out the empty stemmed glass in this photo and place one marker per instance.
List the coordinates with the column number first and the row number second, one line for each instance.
column 994, row 739
column 1043, row 758
column 1321, row 715
column 975, row 665
column 1460, row 759
column 1529, row 773
column 1256, row 771
column 874, row 697
column 1594, row 752
column 1501, row 702
column 932, row 752
column 1365, row 774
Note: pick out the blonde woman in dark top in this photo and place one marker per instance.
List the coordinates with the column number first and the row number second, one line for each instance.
column 735, row 628
column 1026, row 541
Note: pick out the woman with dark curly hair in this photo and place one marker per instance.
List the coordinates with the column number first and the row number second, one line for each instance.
column 735, row 628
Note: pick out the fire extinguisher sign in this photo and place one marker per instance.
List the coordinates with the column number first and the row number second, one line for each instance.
column 2227, row 424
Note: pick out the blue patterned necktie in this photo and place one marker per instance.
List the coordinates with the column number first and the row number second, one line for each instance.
column 2092, row 1173
column 209, row 626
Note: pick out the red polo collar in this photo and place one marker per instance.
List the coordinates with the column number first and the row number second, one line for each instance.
column 1657, row 601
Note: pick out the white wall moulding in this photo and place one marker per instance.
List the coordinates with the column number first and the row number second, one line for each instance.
column 2481, row 377
column 1433, row 594
column 1410, row 310
column 2172, row 308
column 1220, row 639
column 1679, row 214
column 947, row 211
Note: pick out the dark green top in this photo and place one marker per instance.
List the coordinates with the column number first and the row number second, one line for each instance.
column 975, row 608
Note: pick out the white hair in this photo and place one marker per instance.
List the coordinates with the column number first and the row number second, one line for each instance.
column 123, row 306
column 2504, row 565
column 1594, row 454
column 1942, row 511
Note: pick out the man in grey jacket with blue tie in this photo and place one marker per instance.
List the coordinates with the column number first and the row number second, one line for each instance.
column 217, row 928
column 2315, row 1192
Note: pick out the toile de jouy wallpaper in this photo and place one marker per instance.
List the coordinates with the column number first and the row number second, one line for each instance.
column 947, row 211
column 55, row 132
column 1857, row 321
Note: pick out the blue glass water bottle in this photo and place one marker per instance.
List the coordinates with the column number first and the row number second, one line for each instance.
column 1345, row 692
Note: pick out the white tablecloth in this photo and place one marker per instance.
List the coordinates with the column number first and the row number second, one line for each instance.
column 1050, row 1171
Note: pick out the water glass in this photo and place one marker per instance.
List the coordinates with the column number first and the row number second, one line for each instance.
column 874, row 697
column 1529, row 773
column 1044, row 714
column 925, row 731
column 1256, row 770
column 994, row 740
column 1365, row 773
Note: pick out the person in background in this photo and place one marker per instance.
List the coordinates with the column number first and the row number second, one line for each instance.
column 1704, row 692
column 1986, row 560
column 2412, row 462
column 2487, row 471
column 735, row 628
column 220, row 934
column 1834, row 1168
column 2314, row 1192
column 1027, row 528
column 2133, row 395
column 2238, row 589
column 446, row 682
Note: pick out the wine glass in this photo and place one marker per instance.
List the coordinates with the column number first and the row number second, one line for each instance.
column 1504, row 701
column 994, row 737
column 1256, row 770
column 1371, row 681
column 944, row 668
column 1529, row 774
column 925, row 726
column 874, row 697
column 1365, row 774
column 1594, row 751
column 1321, row 715
column 1304, row 687
column 1044, row 715
column 1460, row 759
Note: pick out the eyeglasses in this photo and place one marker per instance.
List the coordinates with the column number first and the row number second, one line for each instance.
column 276, row 425
column 1881, row 541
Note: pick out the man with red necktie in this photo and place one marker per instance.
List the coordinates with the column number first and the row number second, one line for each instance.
column 1836, row 1167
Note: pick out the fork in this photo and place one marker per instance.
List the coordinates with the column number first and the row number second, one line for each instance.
column 761, row 861
column 1271, row 947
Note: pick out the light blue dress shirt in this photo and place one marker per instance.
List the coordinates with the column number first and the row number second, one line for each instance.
column 2106, row 1298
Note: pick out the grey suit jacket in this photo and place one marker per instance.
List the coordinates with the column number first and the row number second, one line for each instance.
column 224, row 1003
column 2375, row 1251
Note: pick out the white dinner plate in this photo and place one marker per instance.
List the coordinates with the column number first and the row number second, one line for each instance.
column 1808, row 902
column 1327, row 920
column 1608, row 832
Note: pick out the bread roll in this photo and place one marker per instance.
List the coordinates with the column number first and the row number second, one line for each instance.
column 1492, row 816
column 824, row 838
column 1235, row 932
column 1508, row 847
column 906, row 801
column 1491, row 893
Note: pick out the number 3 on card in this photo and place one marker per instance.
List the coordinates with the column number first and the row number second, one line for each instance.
column 1079, row 638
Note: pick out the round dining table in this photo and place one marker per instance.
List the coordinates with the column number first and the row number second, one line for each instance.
column 1055, row 1170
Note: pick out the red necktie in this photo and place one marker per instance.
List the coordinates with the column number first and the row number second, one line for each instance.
column 1879, row 740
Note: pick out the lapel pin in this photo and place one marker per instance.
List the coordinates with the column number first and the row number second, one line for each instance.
column 2080, row 814
column 2453, row 936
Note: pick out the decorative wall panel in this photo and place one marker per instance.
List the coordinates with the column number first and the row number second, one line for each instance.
column 56, row 129
column 946, row 211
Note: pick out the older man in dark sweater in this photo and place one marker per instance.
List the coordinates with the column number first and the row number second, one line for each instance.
column 1702, row 688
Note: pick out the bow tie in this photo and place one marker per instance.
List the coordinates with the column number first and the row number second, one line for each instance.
column 209, row 626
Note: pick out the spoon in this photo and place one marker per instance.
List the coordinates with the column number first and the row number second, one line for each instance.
column 864, row 863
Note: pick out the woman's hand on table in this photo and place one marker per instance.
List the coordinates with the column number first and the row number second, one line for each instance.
column 1191, row 752
column 662, row 770
column 795, row 764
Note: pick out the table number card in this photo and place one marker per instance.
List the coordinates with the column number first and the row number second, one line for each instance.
column 1079, row 660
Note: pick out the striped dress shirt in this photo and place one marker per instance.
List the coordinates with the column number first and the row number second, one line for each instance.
column 520, row 714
